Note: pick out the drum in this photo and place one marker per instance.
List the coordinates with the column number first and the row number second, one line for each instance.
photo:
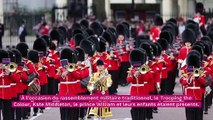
column 33, row 88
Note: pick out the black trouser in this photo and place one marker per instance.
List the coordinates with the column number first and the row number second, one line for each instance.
column 170, row 83
column 82, row 111
column 1, row 42
column 138, row 113
column 22, row 38
column 163, row 86
column 5, row 107
column 16, row 113
column 69, row 113
column 44, row 90
column 115, row 77
column 194, row 114
column 123, row 72
column 52, row 86
column 149, row 110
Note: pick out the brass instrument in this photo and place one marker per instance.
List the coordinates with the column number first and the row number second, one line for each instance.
column 197, row 72
column 12, row 67
column 144, row 69
column 70, row 67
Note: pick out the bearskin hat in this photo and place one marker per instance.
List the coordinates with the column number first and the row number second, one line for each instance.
column 102, row 44
column 95, row 41
column 167, row 36
column 138, row 57
column 158, row 21
column 52, row 46
column 194, row 28
column 55, row 35
column 84, row 23
column 69, row 54
column 188, row 36
column 76, row 26
column 199, row 8
column 47, row 39
column 159, row 48
column 3, row 54
column 18, row 56
column 193, row 59
column 80, row 54
column 155, row 49
column 33, row 56
column 78, row 38
column 107, row 36
column 164, row 43
column 199, row 49
column 12, row 56
column 23, row 48
column 121, row 30
column 76, row 31
column 208, row 41
column 149, row 51
column 89, row 32
column 97, row 28
column 40, row 45
column 88, row 47
column 169, row 28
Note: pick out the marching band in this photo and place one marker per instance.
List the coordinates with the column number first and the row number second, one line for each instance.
column 97, row 59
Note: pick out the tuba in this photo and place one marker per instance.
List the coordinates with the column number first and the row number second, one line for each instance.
column 12, row 67
column 70, row 67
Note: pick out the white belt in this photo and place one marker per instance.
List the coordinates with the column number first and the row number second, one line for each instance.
column 192, row 88
column 5, row 86
column 145, row 82
column 12, row 84
column 137, row 85
column 67, row 82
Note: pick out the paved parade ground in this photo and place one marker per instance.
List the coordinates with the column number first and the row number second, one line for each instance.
column 124, row 113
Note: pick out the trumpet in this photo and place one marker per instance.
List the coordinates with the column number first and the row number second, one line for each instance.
column 144, row 69
column 197, row 72
column 12, row 67
column 71, row 67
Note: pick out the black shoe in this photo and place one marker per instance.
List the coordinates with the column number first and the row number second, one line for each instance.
column 155, row 111
column 41, row 111
column 35, row 114
column 25, row 117
column 124, row 84
column 205, row 112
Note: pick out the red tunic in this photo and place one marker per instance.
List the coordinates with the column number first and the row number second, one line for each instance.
column 183, row 53
column 70, row 85
column 5, row 84
column 105, row 57
column 140, row 85
column 192, row 86
column 154, row 33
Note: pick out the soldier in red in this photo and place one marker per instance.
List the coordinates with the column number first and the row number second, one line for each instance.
column 84, row 70
column 194, row 79
column 23, row 49
column 22, row 85
column 69, row 76
column 139, row 77
column 53, row 57
column 100, row 54
column 164, row 64
column 199, row 17
column 156, row 29
column 123, row 51
column 41, row 46
column 188, row 38
column 6, row 76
